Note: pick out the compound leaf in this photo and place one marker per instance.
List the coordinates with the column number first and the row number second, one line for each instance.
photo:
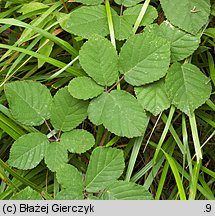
column 77, row 141
column 144, row 58
column 67, row 112
column 106, row 165
column 122, row 190
column 84, row 88
column 88, row 20
column 69, row 177
column 189, row 15
column 153, row 97
column 27, row 151
column 29, row 101
column 187, row 87
column 56, row 156
column 99, row 59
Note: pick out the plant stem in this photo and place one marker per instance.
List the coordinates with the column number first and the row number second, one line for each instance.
column 141, row 15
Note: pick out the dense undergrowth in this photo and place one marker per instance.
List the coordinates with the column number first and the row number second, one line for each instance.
column 107, row 99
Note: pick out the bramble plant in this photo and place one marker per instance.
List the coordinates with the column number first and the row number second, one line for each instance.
column 76, row 132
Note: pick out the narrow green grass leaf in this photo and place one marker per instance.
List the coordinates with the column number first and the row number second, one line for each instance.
column 194, row 181
column 74, row 71
column 10, row 123
column 186, row 144
column 65, row 45
column 134, row 154
column 32, row 6
column 24, row 180
column 110, row 22
column 9, row 131
column 211, row 67
column 141, row 15
column 163, row 177
column 164, row 133
column 176, row 175
column 135, row 151
column 195, row 136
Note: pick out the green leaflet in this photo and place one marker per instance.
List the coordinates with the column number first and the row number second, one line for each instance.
column 96, row 109
column 182, row 44
column 90, row 2
column 119, row 112
column 99, row 59
column 189, row 15
column 67, row 112
column 88, row 20
column 131, row 14
column 46, row 49
column 77, row 141
column 84, row 88
column 56, row 156
column 106, row 165
column 69, row 194
column 29, row 101
column 144, row 58
column 27, row 151
column 187, row 87
column 122, row 190
column 69, row 177
column 153, row 97
column 127, row 3
column 122, row 28
column 27, row 194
